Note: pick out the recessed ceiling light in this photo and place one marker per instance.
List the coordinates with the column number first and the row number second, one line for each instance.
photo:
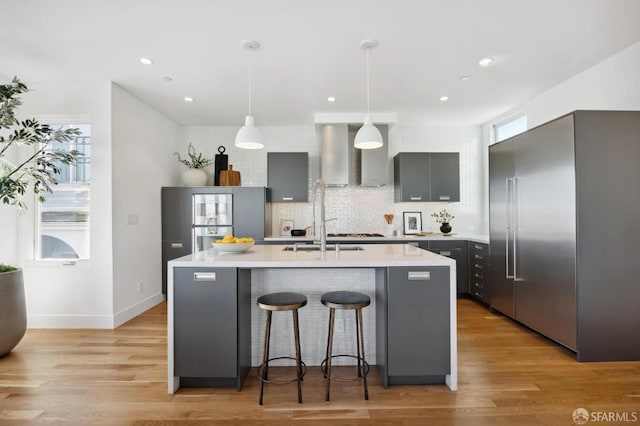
column 464, row 78
column 331, row 98
column 146, row 61
column 188, row 99
column 485, row 62
column 444, row 98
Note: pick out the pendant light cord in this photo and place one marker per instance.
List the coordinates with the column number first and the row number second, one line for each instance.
column 368, row 49
column 250, row 78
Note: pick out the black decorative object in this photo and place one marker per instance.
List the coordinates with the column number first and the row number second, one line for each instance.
column 221, row 163
column 445, row 228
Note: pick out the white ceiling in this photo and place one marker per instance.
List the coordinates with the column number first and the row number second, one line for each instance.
column 311, row 50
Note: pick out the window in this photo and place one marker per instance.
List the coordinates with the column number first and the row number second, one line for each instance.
column 63, row 219
column 512, row 126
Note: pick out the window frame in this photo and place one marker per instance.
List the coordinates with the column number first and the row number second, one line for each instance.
column 35, row 246
column 507, row 120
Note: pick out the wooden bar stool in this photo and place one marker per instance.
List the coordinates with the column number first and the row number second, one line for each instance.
column 346, row 300
column 284, row 301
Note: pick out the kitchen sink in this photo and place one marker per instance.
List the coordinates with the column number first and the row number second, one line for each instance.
column 330, row 247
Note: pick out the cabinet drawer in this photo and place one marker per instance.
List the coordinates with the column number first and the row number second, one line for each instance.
column 477, row 274
column 478, row 294
column 477, row 286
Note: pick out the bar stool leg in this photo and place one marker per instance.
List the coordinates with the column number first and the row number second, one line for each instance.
column 265, row 354
column 364, row 376
column 358, row 343
column 332, row 314
column 296, row 334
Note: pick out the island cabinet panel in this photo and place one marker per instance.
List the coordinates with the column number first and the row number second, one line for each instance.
column 288, row 176
column 210, row 345
column 417, row 325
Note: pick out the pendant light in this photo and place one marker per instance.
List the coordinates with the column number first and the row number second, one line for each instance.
column 249, row 136
column 368, row 137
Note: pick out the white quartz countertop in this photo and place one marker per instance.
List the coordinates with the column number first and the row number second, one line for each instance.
column 479, row 238
column 274, row 256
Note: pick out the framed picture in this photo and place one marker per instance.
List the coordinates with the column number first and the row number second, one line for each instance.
column 412, row 222
column 286, row 225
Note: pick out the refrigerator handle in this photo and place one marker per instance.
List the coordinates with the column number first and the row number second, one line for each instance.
column 507, row 229
column 514, row 206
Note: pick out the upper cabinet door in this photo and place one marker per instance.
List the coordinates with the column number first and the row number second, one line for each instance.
column 288, row 176
column 411, row 176
column 445, row 176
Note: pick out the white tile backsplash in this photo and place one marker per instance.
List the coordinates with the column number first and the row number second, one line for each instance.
column 358, row 209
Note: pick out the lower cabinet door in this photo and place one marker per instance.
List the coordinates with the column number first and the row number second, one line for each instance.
column 205, row 322
column 418, row 320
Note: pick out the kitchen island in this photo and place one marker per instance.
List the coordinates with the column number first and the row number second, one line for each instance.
column 213, row 325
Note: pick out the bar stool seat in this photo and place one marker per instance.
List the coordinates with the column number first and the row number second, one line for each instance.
column 283, row 301
column 345, row 300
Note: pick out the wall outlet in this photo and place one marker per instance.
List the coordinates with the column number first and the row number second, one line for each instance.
column 140, row 286
column 132, row 219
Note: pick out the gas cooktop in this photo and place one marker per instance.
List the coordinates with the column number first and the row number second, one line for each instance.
column 356, row 235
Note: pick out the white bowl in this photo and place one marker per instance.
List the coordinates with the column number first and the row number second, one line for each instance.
column 232, row 247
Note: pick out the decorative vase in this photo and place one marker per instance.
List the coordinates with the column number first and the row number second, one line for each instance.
column 13, row 311
column 194, row 177
column 445, row 228
column 391, row 230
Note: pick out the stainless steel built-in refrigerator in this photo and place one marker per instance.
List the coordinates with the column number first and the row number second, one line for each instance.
column 564, row 207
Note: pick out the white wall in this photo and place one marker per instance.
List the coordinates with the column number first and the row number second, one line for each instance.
column 132, row 147
column 613, row 84
column 143, row 141
column 78, row 295
column 357, row 209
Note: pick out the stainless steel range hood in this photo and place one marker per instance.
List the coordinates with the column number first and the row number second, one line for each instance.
column 342, row 164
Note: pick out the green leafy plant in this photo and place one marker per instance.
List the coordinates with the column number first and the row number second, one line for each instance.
column 443, row 216
column 195, row 161
column 7, row 268
column 40, row 167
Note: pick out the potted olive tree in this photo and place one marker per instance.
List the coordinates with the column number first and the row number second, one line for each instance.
column 35, row 171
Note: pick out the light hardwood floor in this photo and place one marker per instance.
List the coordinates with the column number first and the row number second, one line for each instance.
column 508, row 375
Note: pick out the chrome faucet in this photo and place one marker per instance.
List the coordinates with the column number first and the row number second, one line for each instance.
column 323, row 221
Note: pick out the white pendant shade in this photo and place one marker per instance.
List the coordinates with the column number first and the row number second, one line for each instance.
column 249, row 136
column 368, row 137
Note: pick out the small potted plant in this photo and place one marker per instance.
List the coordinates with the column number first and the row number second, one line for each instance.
column 37, row 171
column 195, row 175
column 444, row 218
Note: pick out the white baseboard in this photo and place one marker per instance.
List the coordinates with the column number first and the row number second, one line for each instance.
column 135, row 310
column 70, row 321
column 94, row 321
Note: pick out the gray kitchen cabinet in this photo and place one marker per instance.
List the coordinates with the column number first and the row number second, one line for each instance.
column 424, row 176
column 445, row 176
column 414, row 325
column 288, row 176
column 478, row 271
column 457, row 250
column 211, row 314
column 411, row 176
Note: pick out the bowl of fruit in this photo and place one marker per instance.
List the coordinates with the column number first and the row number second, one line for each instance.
column 231, row 244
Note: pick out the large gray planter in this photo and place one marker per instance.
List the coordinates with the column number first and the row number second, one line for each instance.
column 13, row 311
